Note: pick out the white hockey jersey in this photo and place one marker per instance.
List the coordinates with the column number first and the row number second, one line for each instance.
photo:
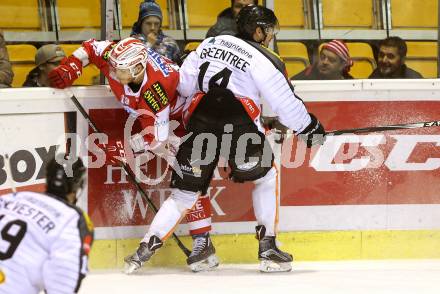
column 44, row 244
column 250, row 71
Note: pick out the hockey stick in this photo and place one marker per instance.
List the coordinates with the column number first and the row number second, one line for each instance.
column 128, row 171
column 426, row 124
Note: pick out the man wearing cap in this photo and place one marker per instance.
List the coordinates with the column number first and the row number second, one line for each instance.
column 148, row 29
column 46, row 59
column 334, row 63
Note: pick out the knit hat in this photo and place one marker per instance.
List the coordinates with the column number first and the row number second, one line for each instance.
column 149, row 8
column 339, row 48
column 49, row 52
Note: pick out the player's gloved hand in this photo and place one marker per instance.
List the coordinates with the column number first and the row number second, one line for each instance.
column 166, row 148
column 66, row 73
column 314, row 133
column 138, row 144
column 273, row 123
column 114, row 151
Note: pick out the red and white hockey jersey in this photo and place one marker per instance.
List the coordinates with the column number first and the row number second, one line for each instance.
column 157, row 93
column 44, row 244
column 250, row 71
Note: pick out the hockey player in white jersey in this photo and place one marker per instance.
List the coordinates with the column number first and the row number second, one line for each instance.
column 45, row 239
column 224, row 80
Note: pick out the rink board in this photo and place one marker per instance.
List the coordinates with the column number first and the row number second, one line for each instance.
column 369, row 196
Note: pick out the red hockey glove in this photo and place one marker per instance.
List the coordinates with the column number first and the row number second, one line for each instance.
column 66, row 73
column 114, row 151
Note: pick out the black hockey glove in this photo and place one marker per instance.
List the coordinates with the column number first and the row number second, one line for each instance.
column 314, row 133
column 273, row 123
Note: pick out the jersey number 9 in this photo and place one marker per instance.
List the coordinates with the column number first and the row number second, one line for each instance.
column 13, row 232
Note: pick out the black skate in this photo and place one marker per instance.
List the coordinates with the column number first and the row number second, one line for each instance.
column 271, row 258
column 202, row 257
column 143, row 253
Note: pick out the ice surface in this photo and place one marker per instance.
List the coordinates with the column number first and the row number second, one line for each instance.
column 351, row 277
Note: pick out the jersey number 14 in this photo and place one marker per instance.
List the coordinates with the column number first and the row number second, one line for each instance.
column 222, row 75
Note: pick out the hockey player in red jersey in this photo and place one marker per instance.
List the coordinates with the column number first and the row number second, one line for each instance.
column 142, row 80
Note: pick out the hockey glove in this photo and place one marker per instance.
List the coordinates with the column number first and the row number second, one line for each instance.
column 114, row 152
column 314, row 133
column 66, row 73
column 273, row 123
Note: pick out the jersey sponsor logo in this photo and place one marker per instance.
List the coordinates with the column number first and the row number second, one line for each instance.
column 158, row 62
column 151, row 101
column 160, row 93
column 235, row 47
column 107, row 51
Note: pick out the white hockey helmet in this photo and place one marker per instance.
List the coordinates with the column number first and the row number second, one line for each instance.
column 127, row 54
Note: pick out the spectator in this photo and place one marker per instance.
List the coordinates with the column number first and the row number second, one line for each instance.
column 46, row 59
column 148, row 29
column 6, row 74
column 391, row 61
column 334, row 63
column 226, row 24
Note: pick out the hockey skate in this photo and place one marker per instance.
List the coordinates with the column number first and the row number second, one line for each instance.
column 135, row 261
column 203, row 256
column 271, row 258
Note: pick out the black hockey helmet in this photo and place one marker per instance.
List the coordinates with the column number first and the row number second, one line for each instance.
column 253, row 16
column 64, row 175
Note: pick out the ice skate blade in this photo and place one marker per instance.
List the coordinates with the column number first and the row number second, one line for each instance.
column 205, row 265
column 131, row 268
column 269, row 266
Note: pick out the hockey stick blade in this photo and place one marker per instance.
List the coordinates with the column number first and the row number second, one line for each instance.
column 128, row 171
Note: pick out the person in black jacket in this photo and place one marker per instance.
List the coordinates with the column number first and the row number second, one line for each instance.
column 226, row 24
column 391, row 61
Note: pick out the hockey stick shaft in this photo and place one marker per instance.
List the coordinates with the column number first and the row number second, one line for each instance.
column 426, row 124
column 130, row 174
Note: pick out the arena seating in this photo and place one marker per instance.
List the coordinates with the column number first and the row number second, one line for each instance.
column 79, row 14
column 204, row 16
column 345, row 14
column 22, row 58
column 290, row 13
column 294, row 55
column 422, row 57
column 414, row 14
column 19, row 15
column 363, row 59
